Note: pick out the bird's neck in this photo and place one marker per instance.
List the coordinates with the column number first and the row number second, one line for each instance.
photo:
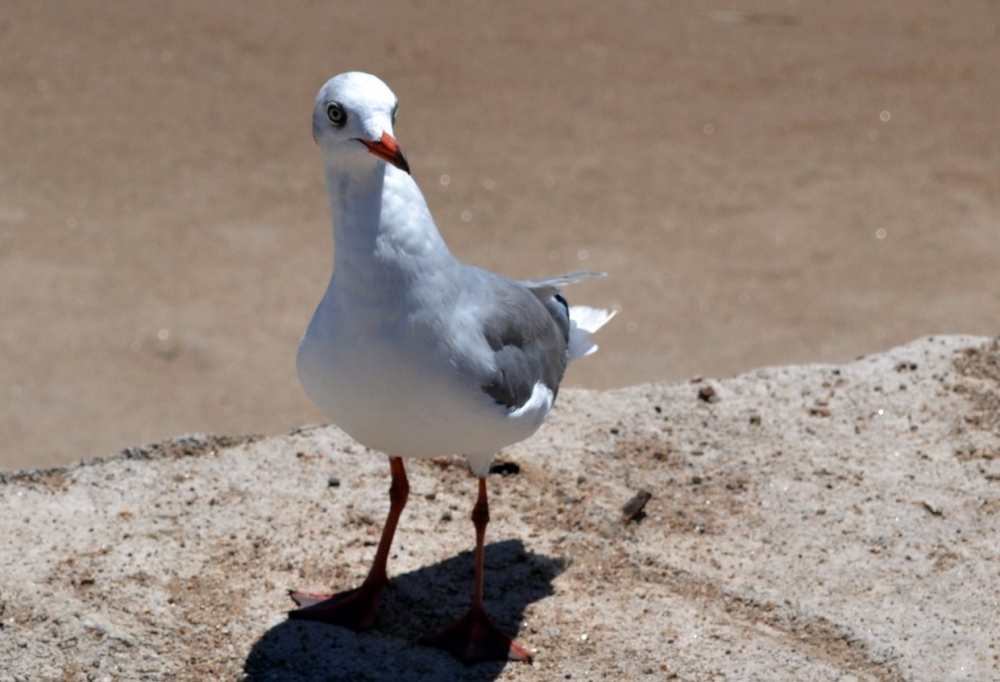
column 381, row 225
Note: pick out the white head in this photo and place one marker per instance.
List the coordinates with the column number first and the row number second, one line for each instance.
column 352, row 122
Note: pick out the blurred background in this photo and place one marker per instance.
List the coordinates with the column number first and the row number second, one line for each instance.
column 765, row 183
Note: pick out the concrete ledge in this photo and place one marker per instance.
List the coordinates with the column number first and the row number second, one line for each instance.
column 805, row 523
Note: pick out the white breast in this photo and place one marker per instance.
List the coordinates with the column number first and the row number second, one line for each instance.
column 407, row 403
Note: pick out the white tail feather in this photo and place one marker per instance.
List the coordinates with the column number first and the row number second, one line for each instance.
column 584, row 321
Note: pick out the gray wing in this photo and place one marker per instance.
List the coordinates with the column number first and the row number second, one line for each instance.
column 528, row 334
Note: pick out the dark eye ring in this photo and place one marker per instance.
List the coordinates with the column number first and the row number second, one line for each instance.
column 337, row 115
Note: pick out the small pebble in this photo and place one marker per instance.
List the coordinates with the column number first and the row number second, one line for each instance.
column 632, row 511
column 708, row 394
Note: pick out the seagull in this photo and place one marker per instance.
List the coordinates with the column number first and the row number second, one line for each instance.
column 414, row 353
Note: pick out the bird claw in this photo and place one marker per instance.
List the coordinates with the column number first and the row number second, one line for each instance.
column 475, row 637
column 354, row 609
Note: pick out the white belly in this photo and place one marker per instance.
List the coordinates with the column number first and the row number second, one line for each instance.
column 409, row 403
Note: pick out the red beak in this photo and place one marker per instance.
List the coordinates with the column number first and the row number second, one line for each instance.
column 388, row 150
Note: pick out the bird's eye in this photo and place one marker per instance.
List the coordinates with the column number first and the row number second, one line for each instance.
column 394, row 110
column 337, row 115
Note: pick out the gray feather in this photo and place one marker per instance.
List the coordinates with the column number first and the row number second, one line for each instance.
column 528, row 334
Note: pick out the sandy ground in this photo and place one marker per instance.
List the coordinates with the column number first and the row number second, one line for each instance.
column 766, row 183
column 808, row 523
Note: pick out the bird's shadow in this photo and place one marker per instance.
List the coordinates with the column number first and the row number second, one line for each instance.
column 420, row 603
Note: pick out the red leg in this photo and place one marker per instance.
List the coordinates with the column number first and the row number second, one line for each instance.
column 475, row 637
column 356, row 609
